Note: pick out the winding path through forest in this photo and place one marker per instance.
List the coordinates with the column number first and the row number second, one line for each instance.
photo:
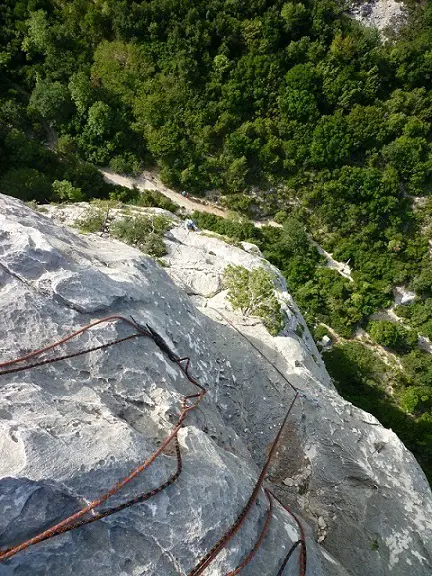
column 149, row 181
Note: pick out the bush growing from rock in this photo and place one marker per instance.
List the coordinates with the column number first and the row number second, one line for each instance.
column 252, row 292
column 65, row 192
column 144, row 232
column 93, row 221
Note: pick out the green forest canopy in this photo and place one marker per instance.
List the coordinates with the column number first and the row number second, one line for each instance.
column 287, row 108
column 292, row 102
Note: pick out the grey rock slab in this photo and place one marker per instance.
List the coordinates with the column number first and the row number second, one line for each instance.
column 70, row 430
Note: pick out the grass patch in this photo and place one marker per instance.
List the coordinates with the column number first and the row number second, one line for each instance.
column 35, row 206
column 93, row 221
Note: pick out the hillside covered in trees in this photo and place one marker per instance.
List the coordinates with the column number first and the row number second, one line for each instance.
column 284, row 109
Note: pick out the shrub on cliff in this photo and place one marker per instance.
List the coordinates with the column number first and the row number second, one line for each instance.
column 252, row 292
column 144, row 232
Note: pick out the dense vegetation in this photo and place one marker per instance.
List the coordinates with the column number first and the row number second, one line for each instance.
column 393, row 335
column 286, row 109
column 144, row 231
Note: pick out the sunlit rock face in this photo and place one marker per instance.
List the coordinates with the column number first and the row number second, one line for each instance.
column 384, row 15
column 70, row 430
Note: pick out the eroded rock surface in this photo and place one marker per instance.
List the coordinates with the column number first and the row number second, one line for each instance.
column 385, row 15
column 70, row 430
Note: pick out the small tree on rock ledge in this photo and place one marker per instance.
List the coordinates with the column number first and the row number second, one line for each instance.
column 252, row 292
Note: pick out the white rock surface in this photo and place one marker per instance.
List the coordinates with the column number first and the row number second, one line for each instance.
column 403, row 296
column 326, row 342
column 69, row 430
column 380, row 14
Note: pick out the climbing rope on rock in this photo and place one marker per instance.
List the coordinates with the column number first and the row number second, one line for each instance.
column 189, row 403
column 137, row 500
column 270, row 495
column 213, row 553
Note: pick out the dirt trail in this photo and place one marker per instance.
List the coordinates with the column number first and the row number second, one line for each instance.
column 343, row 269
column 149, row 181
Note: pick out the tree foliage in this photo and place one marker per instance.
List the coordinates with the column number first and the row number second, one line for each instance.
column 287, row 108
column 144, row 232
column 392, row 335
column 65, row 192
column 253, row 293
column 363, row 378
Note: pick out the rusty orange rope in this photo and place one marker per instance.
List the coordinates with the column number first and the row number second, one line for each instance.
column 190, row 402
column 67, row 356
column 301, row 541
column 187, row 407
column 128, row 504
column 212, row 554
column 73, row 335
column 208, row 558
column 259, row 541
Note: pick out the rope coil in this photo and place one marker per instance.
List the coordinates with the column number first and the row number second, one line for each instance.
column 189, row 403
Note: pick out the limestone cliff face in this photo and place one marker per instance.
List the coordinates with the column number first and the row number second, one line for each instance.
column 71, row 429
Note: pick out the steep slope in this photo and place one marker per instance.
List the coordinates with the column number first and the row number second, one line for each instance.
column 70, row 430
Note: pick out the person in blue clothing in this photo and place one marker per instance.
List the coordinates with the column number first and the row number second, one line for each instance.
column 190, row 225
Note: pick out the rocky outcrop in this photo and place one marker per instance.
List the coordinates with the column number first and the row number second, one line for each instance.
column 70, row 430
column 385, row 15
